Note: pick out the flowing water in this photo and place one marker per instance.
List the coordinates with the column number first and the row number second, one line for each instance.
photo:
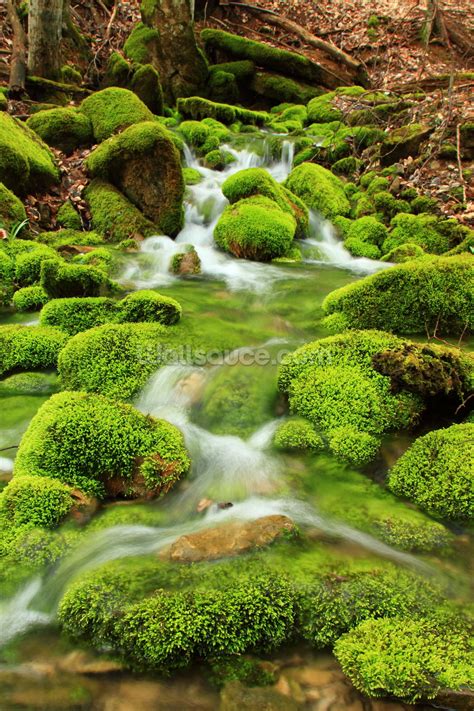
column 275, row 308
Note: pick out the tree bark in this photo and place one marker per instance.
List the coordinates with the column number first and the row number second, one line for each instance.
column 283, row 23
column 18, row 55
column 180, row 63
column 45, row 21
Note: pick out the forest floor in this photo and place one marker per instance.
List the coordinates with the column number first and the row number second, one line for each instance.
column 384, row 35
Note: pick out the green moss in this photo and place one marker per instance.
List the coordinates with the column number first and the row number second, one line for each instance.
column 65, row 237
column 192, row 176
column 368, row 230
column 218, row 159
column 26, row 163
column 195, row 133
column 283, row 89
column 78, row 314
column 435, row 473
column 29, row 384
column 197, row 108
column 28, row 264
column 359, row 248
column 60, row 279
column 319, row 189
column 145, row 165
column 255, row 228
column 11, row 208
column 363, row 206
column 423, row 230
column 403, row 142
column 333, row 383
column 145, row 83
column 241, row 70
column 63, row 128
column 223, row 86
column 112, row 110
column 386, row 204
column 68, row 217
column 257, row 181
column 113, row 216
column 404, row 253
column 408, row 659
column 321, row 110
column 140, row 43
column 29, row 347
column 102, row 447
column 297, row 434
column 117, row 72
column 249, row 671
column 423, row 203
column 35, row 501
column 346, row 166
column 427, row 294
column 30, row 298
column 148, row 305
column 100, row 258
column 263, row 55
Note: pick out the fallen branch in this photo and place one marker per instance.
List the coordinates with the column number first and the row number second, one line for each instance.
column 18, row 55
column 283, row 23
column 33, row 82
column 113, row 15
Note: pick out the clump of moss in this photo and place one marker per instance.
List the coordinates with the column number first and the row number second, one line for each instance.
column 364, row 237
column 102, row 447
column 148, row 305
column 113, row 215
column 403, row 142
column 60, row 279
column 112, row 110
column 28, row 263
column 297, row 434
column 29, row 347
column 404, row 253
column 255, row 228
column 280, row 88
column 145, row 83
column 319, row 189
column 63, row 128
column 333, row 383
column 30, row 298
column 346, row 166
column 192, row 176
column 222, row 86
column 257, row 181
column 429, row 294
column 359, row 248
column 140, row 43
column 435, row 472
column 198, row 109
column 73, row 315
column 68, row 217
column 26, row 163
column 37, row 501
column 408, row 659
column 11, row 208
column 145, row 165
column 423, row 230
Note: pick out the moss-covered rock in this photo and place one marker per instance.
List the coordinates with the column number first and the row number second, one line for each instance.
column 145, row 83
column 436, row 473
column 28, row 263
column 403, row 142
column 141, row 44
column 198, row 108
column 11, row 208
column 334, row 385
column 36, row 501
column 104, row 448
column 222, row 87
column 60, row 279
column 113, row 109
column 263, row 55
column 257, row 181
column 424, row 230
column 255, row 228
column 26, row 163
column 144, row 164
column 409, row 659
column 63, row 128
column 117, row 72
column 29, row 347
column 114, row 216
column 242, row 69
column 150, row 306
column 30, row 298
column 276, row 87
column 68, row 217
column 297, row 434
column 319, row 189
column 192, row 176
column 429, row 294
column 404, row 253
column 73, row 315
column 368, row 230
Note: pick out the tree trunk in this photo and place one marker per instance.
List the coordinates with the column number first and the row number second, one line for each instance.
column 18, row 56
column 182, row 66
column 45, row 20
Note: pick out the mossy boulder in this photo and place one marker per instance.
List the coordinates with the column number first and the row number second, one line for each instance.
column 276, row 87
column 148, row 305
column 334, row 385
column 73, row 315
column 145, row 83
column 28, row 263
column 466, row 133
column 102, row 447
column 26, row 164
column 433, row 294
column 319, row 189
column 222, row 86
column 141, row 44
column 255, row 228
column 144, row 164
column 114, row 216
column 257, row 181
column 35, row 501
column 198, row 109
column 68, row 217
column 410, row 659
column 436, row 473
column 403, row 142
column 242, row 69
column 113, row 109
column 60, row 279
column 424, row 230
column 297, row 435
column 63, row 128
column 11, row 208
column 406, row 252
column 30, row 347
column 30, row 298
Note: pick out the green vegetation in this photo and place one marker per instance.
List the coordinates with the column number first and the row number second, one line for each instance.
column 63, row 128
column 112, row 110
column 38, row 501
column 11, row 208
column 255, row 228
column 104, row 448
column 113, row 215
column 319, row 189
column 197, row 108
column 297, row 434
column 26, row 163
column 149, row 306
column 139, row 45
column 30, row 298
column 28, row 263
column 280, row 88
column 409, row 659
column 436, row 473
column 415, row 297
column 68, row 217
column 29, row 347
column 60, row 279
